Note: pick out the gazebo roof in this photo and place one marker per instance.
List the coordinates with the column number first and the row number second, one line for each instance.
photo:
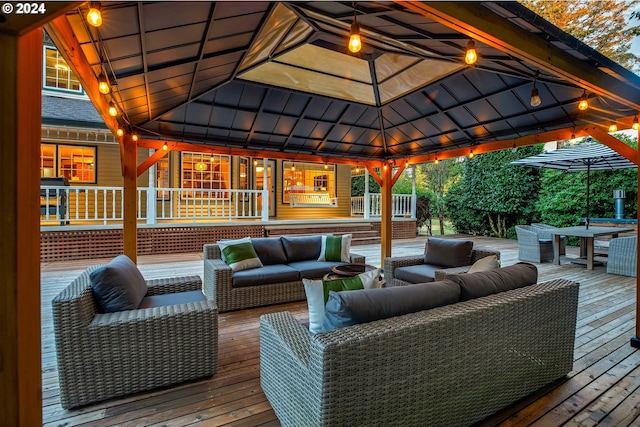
column 278, row 76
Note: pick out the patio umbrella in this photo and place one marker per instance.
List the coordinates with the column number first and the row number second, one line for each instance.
column 583, row 157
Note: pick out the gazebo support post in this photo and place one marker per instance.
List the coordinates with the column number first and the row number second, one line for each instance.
column 635, row 340
column 386, row 226
column 130, row 196
column 20, row 121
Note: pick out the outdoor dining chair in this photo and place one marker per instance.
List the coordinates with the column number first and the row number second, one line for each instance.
column 530, row 247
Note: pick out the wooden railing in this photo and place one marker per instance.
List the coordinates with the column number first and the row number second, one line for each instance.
column 401, row 205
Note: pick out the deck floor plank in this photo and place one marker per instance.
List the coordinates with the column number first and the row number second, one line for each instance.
column 603, row 388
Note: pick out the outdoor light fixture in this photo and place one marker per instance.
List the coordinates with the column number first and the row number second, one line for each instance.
column 406, row 163
column 165, row 147
column 119, row 132
column 255, row 162
column 635, row 125
column 584, row 102
column 471, row 153
column 535, row 94
column 94, row 16
column 293, row 166
column 103, row 84
column 436, row 161
column 326, row 166
column 613, row 127
column 211, row 159
column 471, row 56
column 355, row 42
column 113, row 111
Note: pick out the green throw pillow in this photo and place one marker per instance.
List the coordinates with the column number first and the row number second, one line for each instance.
column 239, row 254
column 317, row 292
column 335, row 248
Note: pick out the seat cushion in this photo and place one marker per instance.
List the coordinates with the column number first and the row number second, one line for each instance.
column 265, row 275
column 165, row 300
column 335, row 248
column 361, row 306
column 269, row 250
column 313, row 269
column 239, row 254
column 301, row 248
column 420, row 273
column 317, row 292
column 483, row 283
column 118, row 285
column 448, row 253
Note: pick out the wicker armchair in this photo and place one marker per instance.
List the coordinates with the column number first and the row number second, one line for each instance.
column 623, row 256
column 543, row 234
column 530, row 247
column 105, row 355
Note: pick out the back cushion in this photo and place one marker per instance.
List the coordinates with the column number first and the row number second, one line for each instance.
column 302, row 248
column 448, row 253
column 352, row 307
column 269, row 250
column 483, row 283
column 118, row 286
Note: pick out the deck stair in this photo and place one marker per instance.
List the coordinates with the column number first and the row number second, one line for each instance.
column 363, row 233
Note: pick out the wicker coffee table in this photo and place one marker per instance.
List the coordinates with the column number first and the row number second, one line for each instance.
column 349, row 270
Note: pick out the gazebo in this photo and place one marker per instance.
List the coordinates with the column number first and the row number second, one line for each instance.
column 276, row 79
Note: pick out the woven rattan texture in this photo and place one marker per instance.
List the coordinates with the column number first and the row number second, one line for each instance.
column 218, row 286
column 391, row 263
column 623, row 256
column 105, row 355
column 449, row 366
column 530, row 247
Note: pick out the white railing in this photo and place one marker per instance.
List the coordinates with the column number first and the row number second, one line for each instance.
column 401, row 205
column 105, row 204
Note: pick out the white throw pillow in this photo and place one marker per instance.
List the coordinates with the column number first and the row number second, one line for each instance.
column 484, row 264
column 239, row 254
column 318, row 292
column 335, row 248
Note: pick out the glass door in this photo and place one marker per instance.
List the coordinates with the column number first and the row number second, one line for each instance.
column 259, row 184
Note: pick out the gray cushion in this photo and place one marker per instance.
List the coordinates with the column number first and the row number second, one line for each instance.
column 483, row 283
column 313, row 269
column 448, row 253
column 265, row 275
column 301, row 248
column 118, row 285
column 352, row 307
column 420, row 273
column 269, row 250
column 164, row 300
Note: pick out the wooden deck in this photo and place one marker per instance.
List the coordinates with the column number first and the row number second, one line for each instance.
column 603, row 388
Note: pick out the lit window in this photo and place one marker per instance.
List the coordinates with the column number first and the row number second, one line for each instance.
column 162, row 177
column 57, row 73
column 77, row 163
column 206, row 172
column 48, row 160
column 308, row 178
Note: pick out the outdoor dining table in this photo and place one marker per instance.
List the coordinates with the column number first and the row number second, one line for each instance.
column 587, row 236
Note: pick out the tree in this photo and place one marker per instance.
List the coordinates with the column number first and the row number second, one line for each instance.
column 438, row 178
column 602, row 25
column 493, row 195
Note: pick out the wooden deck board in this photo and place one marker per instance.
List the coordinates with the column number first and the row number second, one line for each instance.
column 603, row 388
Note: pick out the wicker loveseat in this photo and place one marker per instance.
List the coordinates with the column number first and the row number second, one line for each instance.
column 286, row 261
column 104, row 355
column 406, row 270
column 448, row 366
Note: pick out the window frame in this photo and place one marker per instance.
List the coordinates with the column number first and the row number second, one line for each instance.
column 323, row 170
column 71, row 75
column 192, row 192
column 59, row 168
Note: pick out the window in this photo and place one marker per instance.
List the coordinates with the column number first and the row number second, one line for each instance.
column 57, row 74
column 77, row 163
column 308, row 178
column 48, row 160
column 206, row 172
column 162, row 178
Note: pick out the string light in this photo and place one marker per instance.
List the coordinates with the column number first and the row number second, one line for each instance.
column 355, row 41
column 471, row 56
column 113, row 111
column 293, row 166
column 635, row 125
column 436, row 161
column 134, row 137
column 255, row 162
column 471, row 153
column 103, row 84
column 165, row 147
column 584, row 102
column 119, row 132
column 535, row 94
column 94, row 16
column 613, row 127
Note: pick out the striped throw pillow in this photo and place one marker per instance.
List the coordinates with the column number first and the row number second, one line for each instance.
column 335, row 248
column 239, row 254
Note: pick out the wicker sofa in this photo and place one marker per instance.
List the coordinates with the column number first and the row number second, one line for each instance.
column 286, row 261
column 414, row 268
column 448, row 366
column 104, row 355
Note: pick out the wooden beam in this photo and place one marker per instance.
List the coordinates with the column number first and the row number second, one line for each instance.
column 20, row 121
column 130, row 190
column 482, row 24
column 372, row 172
column 614, row 143
column 397, row 174
column 151, row 160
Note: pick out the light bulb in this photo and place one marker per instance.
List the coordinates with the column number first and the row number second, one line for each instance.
column 584, row 102
column 355, row 42
column 437, row 161
column 94, row 16
column 535, row 97
column 165, row 147
column 470, row 154
column 635, row 125
column 113, row 111
column 134, row 137
column 613, row 127
column 119, row 132
column 103, row 84
column 471, row 56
